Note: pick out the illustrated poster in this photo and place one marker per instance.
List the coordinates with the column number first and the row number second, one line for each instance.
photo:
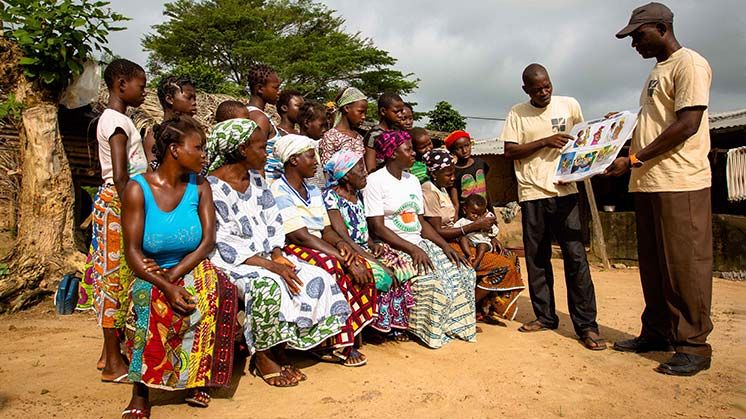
column 597, row 144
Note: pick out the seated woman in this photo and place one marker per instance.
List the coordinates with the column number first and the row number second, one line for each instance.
column 498, row 273
column 288, row 302
column 311, row 238
column 180, row 329
column 391, row 269
column 444, row 293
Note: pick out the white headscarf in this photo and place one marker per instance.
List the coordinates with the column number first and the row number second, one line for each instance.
column 293, row 144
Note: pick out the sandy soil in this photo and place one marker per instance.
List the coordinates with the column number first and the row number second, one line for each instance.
column 47, row 369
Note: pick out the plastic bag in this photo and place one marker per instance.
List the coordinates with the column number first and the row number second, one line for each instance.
column 84, row 89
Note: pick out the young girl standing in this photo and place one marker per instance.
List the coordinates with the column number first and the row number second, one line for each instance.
column 121, row 154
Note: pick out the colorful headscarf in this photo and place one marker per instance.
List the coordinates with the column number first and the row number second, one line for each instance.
column 436, row 159
column 387, row 143
column 350, row 95
column 455, row 136
column 291, row 145
column 339, row 164
column 225, row 138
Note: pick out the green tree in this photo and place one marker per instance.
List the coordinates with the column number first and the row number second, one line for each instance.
column 45, row 44
column 303, row 40
column 445, row 118
column 205, row 77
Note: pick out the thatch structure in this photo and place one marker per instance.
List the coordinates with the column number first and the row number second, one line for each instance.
column 151, row 113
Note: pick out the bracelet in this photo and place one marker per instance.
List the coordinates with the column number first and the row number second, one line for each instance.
column 462, row 231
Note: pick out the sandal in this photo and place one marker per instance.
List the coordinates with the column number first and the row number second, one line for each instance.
column 137, row 413
column 591, row 340
column 533, row 326
column 122, row 379
column 400, row 336
column 355, row 353
column 198, row 398
column 254, row 370
column 292, row 369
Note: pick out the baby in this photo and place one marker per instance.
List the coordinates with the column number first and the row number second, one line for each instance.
column 475, row 207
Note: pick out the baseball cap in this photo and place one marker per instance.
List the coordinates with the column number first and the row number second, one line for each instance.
column 649, row 13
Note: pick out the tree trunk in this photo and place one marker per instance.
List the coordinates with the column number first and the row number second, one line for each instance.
column 45, row 245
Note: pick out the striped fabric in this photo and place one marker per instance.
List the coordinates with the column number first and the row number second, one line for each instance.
column 444, row 308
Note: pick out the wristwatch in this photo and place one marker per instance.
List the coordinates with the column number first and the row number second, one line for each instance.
column 634, row 161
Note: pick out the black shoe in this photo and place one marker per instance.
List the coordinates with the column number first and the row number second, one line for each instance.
column 684, row 364
column 642, row 345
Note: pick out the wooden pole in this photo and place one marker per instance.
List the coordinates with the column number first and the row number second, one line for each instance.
column 598, row 244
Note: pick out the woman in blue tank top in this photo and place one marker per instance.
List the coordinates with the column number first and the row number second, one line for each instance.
column 181, row 323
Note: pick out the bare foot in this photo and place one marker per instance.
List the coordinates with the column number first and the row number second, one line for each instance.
column 101, row 364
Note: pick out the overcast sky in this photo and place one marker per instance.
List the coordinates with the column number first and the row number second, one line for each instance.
column 471, row 52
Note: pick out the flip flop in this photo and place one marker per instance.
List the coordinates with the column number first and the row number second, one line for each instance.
column 360, row 363
column 139, row 413
column 195, row 402
column 122, row 379
column 594, row 343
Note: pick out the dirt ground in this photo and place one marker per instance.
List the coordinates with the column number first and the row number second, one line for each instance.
column 47, row 369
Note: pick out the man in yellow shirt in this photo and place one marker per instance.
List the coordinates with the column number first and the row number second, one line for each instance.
column 671, row 182
column 534, row 133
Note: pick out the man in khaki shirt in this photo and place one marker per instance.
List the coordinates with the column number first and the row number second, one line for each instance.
column 534, row 133
column 671, row 182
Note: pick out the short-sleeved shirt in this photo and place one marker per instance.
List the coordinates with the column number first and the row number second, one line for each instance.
column 527, row 123
column 109, row 121
column 399, row 201
column 353, row 215
column 682, row 81
column 298, row 212
column 334, row 140
column 438, row 203
column 419, row 169
column 471, row 180
column 370, row 141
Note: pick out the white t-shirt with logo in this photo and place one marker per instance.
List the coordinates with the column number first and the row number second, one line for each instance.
column 108, row 123
column 399, row 201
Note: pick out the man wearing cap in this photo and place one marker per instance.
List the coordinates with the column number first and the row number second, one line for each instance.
column 671, row 182
column 534, row 133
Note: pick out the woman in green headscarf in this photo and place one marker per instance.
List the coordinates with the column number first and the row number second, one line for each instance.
column 351, row 105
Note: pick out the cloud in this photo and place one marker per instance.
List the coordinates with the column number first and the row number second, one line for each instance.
column 471, row 53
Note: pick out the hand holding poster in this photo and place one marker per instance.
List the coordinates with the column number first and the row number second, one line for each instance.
column 596, row 145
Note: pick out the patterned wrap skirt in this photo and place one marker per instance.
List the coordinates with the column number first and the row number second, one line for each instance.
column 363, row 300
column 111, row 275
column 444, row 308
column 499, row 272
column 173, row 352
column 396, row 299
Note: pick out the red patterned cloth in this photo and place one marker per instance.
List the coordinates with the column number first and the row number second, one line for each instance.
column 363, row 300
column 174, row 352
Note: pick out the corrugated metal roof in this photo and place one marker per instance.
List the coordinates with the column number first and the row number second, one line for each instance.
column 486, row 146
column 730, row 119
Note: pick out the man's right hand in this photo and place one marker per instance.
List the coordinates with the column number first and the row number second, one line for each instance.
column 558, row 140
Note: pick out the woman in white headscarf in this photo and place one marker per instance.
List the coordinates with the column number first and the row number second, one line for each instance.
column 311, row 238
